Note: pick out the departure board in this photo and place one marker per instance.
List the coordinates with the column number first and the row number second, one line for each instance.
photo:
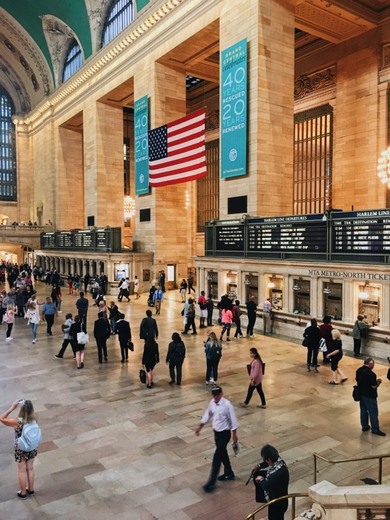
column 230, row 236
column 48, row 240
column 366, row 232
column 291, row 234
column 95, row 239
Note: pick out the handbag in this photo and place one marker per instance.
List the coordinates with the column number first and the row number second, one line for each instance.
column 142, row 376
column 82, row 338
column 130, row 345
column 355, row 393
column 322, row 345
column 305, row 342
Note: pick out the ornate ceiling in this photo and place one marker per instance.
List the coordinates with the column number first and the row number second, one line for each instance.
column 34, row 35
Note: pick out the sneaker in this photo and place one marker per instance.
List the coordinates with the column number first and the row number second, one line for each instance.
column 10, row 338
column 58, row 357
column 261, row 406
column 208, row 488
column 207, row 382
column 34, row 340
column 243, row 405
column 382, row 434
column 226, row 477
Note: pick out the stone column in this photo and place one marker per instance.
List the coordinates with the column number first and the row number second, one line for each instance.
column 170, row 233
column 103, row 164
column 269, row 27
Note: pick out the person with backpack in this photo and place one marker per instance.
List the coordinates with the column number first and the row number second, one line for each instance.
column 213, row 351
column 27, row 439
column 175, row 357
column 226, row 321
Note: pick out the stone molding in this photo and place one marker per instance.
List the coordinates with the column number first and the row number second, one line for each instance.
column 309, row 84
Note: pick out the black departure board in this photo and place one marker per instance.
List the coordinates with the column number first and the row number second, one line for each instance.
column 95, row 239
column 291, row 234
column 48, row 240
column 365, row 232
column 230, row 236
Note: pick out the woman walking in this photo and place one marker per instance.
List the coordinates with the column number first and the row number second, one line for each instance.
column 9, row 319
column 256, row 374
column 334, row 354
column 24, row 459
column 213, row 351
column 312, row 335
column 226, row 320
column 33, row 318
column 175, row 357
column 78, row 348
column 150, row 358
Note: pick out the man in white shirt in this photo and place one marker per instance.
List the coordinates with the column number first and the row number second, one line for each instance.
column 267, row 310
column 225, row 424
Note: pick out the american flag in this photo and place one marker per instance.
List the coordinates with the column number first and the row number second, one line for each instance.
column 177, row 151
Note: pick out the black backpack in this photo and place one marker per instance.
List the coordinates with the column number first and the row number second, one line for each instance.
column 216, row 352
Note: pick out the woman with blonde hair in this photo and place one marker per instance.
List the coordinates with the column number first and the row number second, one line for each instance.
column 9, row 319
column 334, row 354
column 24, row 459
column 213, row 351
column 32, row 315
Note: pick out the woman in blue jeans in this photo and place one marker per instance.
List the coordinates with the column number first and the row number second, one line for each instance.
column 32, row 315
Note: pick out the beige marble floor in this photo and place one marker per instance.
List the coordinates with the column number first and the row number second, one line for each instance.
column 113, row 449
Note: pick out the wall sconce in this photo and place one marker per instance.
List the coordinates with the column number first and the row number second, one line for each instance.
column 271, row 284
column 247, row 281
column 326, row 289
column 297, row 285
column 210, row 276
column 364, row 294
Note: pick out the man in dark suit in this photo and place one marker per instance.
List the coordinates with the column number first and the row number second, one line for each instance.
column 101, row 332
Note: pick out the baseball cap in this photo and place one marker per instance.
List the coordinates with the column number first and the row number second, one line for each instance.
column 216, row 390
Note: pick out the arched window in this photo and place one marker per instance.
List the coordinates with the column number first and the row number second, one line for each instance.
column 73, row 60
column 119, row 16
column 7, row 148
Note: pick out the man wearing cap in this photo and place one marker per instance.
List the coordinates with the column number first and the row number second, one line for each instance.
column 225, row 423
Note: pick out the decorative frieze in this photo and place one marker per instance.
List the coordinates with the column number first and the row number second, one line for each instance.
column 312, row 83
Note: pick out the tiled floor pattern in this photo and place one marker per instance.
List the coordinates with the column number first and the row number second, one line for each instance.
column 114, row 449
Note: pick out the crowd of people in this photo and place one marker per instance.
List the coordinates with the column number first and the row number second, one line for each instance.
column 271, row 476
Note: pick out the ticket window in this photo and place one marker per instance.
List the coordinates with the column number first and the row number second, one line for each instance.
column 231, row 284
column 251, row 283
column 212, row 284
column 121, row 271
column 332, row 300
column 275, row 291
column 301, row 296
column 369, row 303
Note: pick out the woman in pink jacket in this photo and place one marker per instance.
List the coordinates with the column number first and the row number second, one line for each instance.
column 226, row 320
column 256, row 373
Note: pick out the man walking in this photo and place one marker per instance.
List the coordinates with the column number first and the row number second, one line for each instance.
column 82, row 309
column 368, row 384
column 148, row 327
column 101, row 332
column 251, row 309
column 225, row 425
column 157, row 298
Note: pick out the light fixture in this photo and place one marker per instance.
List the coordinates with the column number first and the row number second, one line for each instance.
column 364, row 294
column 297, row 285
column 326, row 289
column 271, row 284
column 128, row 207
column 210, row 276
column 384, row 167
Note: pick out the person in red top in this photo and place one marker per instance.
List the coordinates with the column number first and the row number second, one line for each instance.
column 202, row 302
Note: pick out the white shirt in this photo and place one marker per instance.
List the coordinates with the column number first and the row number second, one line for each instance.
column 224, row 417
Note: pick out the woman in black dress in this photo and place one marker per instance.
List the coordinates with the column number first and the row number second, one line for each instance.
column 78, row 348
column 150, row 358
column 335, row 353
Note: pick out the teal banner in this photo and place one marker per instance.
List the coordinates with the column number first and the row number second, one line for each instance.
column 233, row 114
column 141, row 128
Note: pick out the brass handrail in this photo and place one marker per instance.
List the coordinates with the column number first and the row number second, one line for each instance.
column 293, row 496
column 370, row 457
